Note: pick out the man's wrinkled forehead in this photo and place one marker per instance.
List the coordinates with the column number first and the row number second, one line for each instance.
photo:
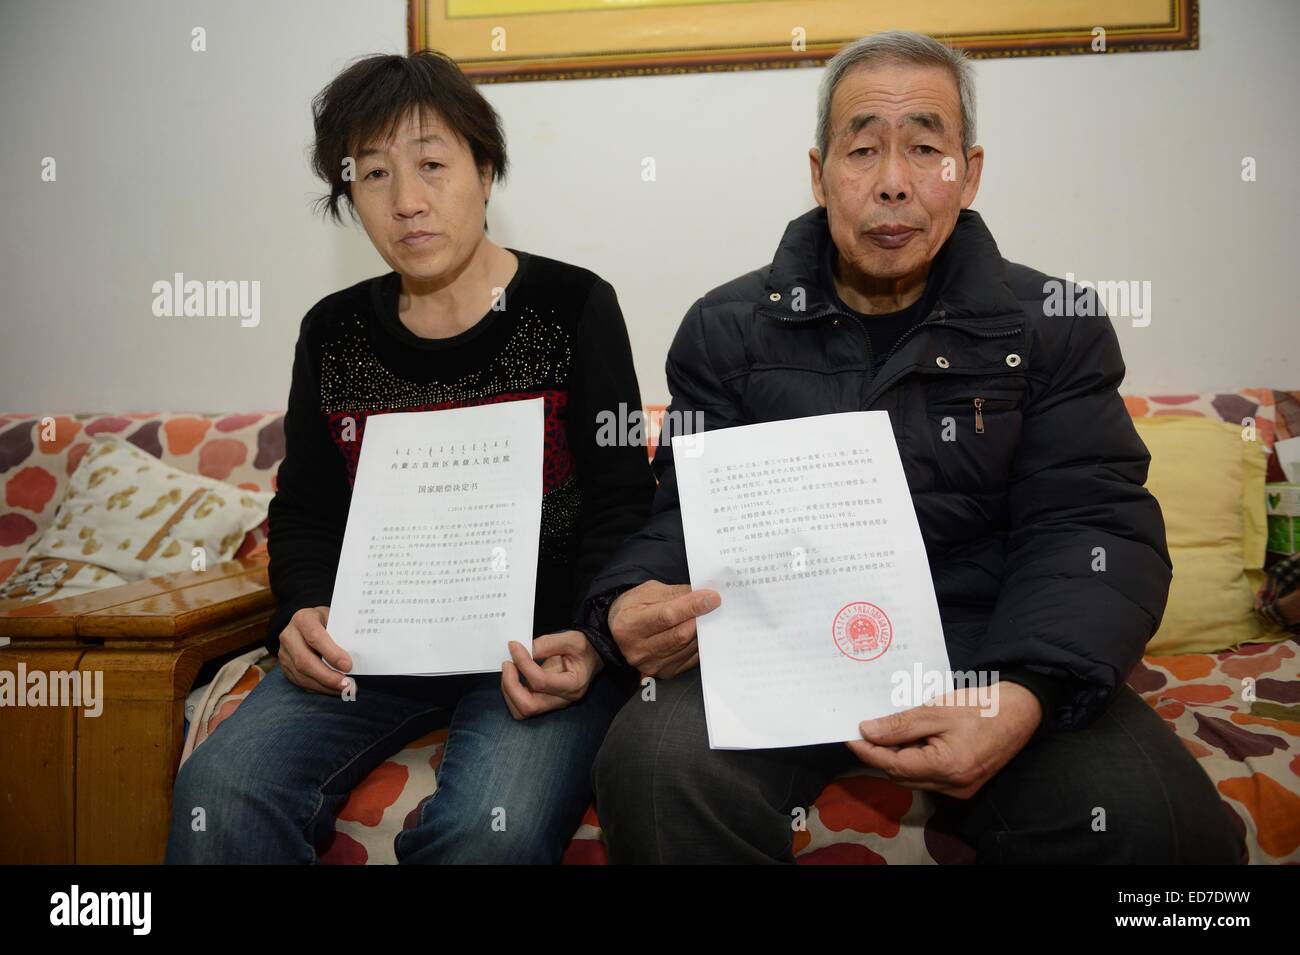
column 928, row 121
column 872, row 97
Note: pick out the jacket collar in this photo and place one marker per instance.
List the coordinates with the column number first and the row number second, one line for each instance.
column 968, row 272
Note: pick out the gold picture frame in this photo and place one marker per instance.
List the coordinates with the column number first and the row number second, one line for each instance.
column 513, row 40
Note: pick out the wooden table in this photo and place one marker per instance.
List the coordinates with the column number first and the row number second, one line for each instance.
column 83, row 789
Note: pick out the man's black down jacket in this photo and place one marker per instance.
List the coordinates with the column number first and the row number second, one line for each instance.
column 1017, row 520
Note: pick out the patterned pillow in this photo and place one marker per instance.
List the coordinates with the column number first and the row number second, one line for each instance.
column 40, row 453
column 52, row 578
column 137, row 517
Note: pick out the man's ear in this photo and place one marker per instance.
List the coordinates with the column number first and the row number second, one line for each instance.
column 815, row 171
column 971, row 183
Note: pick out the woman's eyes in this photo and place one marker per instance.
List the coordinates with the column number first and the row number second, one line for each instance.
column 380, row 172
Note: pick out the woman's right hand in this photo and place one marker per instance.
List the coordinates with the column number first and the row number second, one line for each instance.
column 303, row 643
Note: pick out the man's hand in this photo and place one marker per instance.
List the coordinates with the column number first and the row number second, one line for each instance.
column 569, row 665
column 302, row 645
column 654, row 626
column 948, row 748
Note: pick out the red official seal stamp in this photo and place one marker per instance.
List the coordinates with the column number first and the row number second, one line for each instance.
column 862, row 631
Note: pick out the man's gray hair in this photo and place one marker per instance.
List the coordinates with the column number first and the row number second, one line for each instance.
column 898, row 46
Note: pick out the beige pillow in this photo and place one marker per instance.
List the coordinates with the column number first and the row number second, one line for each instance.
column 131, row 514
column 49, row 578
column 1210, row 485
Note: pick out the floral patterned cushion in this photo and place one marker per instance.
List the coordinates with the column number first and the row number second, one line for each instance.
column 38, row 579
column 38, row 455
column 1273, row 414
column 133, row 516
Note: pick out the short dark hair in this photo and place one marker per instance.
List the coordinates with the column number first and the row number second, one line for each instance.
column 370, row 98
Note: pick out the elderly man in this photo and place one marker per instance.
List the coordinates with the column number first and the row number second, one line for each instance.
column 1023, row 466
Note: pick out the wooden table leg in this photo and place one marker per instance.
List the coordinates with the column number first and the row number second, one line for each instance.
column 37, row 766
column 127, row 757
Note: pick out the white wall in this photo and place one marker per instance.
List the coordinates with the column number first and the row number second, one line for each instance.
column 1116, row 167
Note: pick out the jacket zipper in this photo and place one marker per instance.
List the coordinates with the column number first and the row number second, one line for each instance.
column 827, row 313
column 866, row 344
column 866, row 338
column 908, row 334
column 979, row 415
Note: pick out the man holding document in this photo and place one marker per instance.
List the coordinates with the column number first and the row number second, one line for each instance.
column 907, row 470
column 432, row 575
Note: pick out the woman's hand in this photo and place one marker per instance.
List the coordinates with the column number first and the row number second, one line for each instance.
column 305, row 645
column 569, row 664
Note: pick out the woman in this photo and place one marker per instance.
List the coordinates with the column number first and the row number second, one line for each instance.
column 412, row 149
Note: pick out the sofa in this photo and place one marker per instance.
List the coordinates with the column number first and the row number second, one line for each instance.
column 181, row 652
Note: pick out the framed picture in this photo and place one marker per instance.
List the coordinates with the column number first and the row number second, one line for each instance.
column 505, row 40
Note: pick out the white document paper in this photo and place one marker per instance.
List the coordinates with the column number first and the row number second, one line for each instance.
column 439, row 565
column 828, row 617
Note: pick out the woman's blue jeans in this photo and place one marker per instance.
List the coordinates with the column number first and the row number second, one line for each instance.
column 266, row 786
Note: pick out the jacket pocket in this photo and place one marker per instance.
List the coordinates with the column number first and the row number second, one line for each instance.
column 975, row 400
column 975, row 430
